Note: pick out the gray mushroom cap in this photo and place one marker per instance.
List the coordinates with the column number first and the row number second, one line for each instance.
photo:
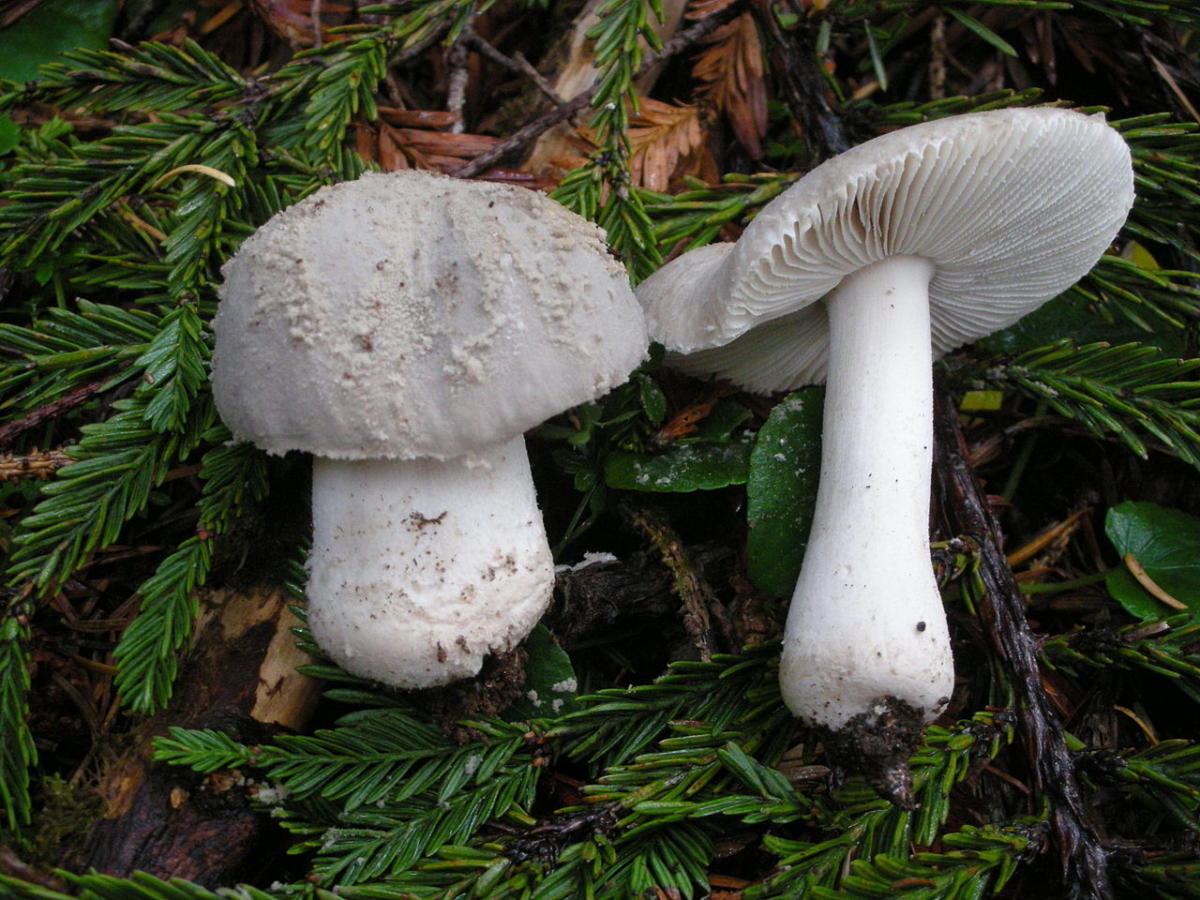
column 1013, row 206
column 412, row 315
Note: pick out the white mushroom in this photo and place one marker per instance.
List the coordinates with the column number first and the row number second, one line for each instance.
column 951, row 229
column 406, row 329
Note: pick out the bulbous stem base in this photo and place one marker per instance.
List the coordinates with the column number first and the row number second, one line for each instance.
column 419, row 568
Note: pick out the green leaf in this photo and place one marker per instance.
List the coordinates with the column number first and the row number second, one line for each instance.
column 654, row 401
column 549, row 680
column 52, row 28
column 721, row 421
column 700, row 466
column 781, row 492
column 10, row 134
column 1167, row 544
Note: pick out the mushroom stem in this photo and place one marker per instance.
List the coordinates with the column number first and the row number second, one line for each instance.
column 866, row 625
column 405, row 553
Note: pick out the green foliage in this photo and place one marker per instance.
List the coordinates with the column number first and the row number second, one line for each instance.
column 597, row 431
column 10, row 135
column 1127, row 391
column 1165, row 647
column 373, row 794
column 694, row 218
column 389, row 808
column 118, row 463
column 550, row 681
column 50, row 29
column 153, row 76
column 1166, row 544
column 693, row 466
column 138, row 887
column 781, row 491
column 117, row 244
column 710, row 456
column 601, row 189
column 149, row 647
column 1168, row 773
column 18, row 752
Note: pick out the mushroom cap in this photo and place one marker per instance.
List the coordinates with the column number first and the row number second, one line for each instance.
column 413, row 315
column 1012, row 206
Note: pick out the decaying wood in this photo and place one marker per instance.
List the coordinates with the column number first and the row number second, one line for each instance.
column 704, row 618
column 964, row 506
column 794, row 58
column 596, row 594
column 240, row 678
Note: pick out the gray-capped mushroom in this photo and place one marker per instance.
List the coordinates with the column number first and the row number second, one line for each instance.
column 405, row 329
column 881, row 258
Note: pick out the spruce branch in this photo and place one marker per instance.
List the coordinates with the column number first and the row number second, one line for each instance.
column 140, row 886
column 982, row 861
column 62, row 354
column 147, row 654
column 378, row 791
column 117, row 463
column 1167, row 648
column 601, row 190
column 389, row 809
column 40, row 464
column 153, row 77
column 18, row 752
column 1168, row 775
column 1128, row 391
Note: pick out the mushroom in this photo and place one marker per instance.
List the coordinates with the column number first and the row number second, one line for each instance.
column 405, row 329
column 947, row 230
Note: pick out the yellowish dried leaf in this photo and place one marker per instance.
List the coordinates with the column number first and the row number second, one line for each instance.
column 662, row 135
column 730, row 75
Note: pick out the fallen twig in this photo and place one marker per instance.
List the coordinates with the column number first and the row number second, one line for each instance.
column 71, row 399
column 803, row 84
column 38, row 464
column 515, row 63
column 1002, row 612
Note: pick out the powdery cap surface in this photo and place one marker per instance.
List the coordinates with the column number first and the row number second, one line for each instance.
column 413, row 315
column 1013, row 206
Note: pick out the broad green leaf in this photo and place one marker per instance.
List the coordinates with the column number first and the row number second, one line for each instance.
column 10, row 134
column 977, row 401
column 1137, row 253
column 1167, row 544
column 701, row 466
column 50, row 29
column 781, row 492
column 550, row 684
column 719, row 424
